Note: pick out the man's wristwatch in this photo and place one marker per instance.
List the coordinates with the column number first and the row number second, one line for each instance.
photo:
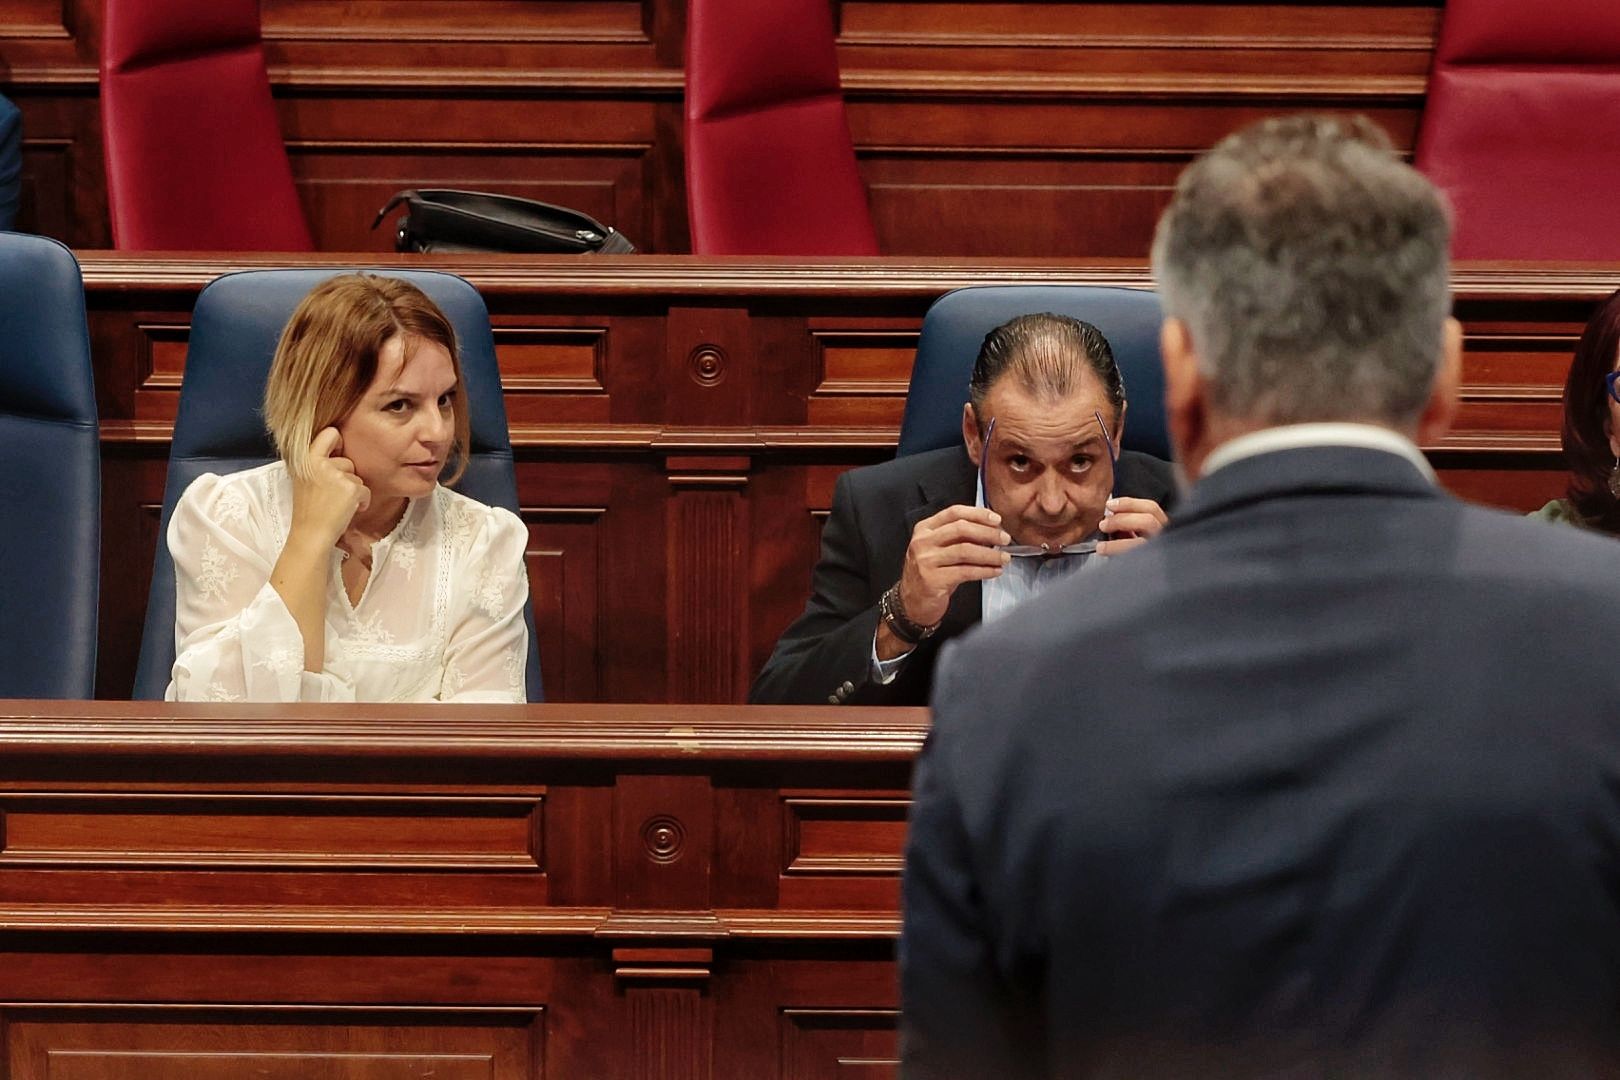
column 893, row 614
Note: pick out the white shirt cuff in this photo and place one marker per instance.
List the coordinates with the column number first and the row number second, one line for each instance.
column 884, row 671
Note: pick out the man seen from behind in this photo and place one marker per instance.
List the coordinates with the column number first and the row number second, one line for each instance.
column 1325, row 781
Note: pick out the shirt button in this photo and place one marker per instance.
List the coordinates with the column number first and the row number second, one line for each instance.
column 846, row 688
column 834, row 699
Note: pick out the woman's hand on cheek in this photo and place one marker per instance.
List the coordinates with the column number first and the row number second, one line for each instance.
column 326, row 500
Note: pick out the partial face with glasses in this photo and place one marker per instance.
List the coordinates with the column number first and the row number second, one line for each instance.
column 1048, row 470
column 1047, row 464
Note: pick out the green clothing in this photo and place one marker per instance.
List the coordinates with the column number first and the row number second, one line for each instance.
column 1560, row 511
column 1563, row 512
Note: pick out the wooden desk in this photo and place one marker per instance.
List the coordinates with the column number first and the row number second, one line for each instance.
column 679, row 424
column 385, row 892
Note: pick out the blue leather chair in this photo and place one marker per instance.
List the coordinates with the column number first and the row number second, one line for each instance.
column 219, row 427
column 954, row 329
column 50, row 544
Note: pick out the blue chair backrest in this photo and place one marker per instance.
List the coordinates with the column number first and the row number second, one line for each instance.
column 50, row 540
column 219, row 427
column 954, row 329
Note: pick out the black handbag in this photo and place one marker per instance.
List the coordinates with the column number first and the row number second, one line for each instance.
column 446, row 220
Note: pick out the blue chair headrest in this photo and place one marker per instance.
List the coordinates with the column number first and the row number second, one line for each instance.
column 43, row 304
column 954, row 329
column 50, row 542
column 242, row 315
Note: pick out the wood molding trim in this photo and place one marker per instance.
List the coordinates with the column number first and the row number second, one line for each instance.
column 755, row 276
column 648, row 733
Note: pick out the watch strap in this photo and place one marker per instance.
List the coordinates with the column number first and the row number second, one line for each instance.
column 893, row 614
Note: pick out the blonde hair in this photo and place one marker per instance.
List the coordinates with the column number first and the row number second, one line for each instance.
column 327, row 358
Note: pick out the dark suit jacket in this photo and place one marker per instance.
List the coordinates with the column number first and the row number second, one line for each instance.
column 1325, row 781
column 826, row 655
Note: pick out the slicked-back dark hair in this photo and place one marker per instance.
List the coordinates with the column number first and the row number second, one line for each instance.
column 1046, row 353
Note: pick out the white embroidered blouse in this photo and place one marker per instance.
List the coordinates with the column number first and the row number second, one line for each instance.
column 441, row 618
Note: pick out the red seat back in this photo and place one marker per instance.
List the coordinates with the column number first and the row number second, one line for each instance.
column 195, row 158
column 770, row 165
column 1523, row 103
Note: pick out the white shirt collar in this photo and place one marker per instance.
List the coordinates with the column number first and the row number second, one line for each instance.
column 1293, row 436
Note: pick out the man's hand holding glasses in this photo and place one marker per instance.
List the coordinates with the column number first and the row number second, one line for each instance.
column 958, row 544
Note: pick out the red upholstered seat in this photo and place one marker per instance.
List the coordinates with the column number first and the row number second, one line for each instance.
column 770, row 166
column 195, row 158
column 1519, row 127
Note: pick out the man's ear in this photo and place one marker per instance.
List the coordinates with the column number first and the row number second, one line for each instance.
column 1185, row 406
column 1441, row 409
column 970, row 433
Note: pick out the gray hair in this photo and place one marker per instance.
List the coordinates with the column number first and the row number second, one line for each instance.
column 1046, row 353
column 1311, row 269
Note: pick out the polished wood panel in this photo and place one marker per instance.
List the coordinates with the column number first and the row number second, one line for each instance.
column 371, row 893
column 136, row 831
column 679, row 424
column 168, row 1042
column 982, row 128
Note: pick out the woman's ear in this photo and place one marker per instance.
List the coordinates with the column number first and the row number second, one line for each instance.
column 1441, row 408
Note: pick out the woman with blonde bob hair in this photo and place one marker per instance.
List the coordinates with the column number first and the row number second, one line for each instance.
column 346, row 571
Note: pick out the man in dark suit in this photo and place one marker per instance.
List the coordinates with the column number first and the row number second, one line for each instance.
column 1325, row 781
column 912, row 555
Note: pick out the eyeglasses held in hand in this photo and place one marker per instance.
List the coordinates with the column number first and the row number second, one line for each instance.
column 1024, row 551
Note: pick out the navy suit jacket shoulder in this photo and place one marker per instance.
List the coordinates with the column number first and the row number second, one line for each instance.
column 1333, row 792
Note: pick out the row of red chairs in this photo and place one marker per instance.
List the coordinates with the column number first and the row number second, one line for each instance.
column 1521, row 102
column 196, row 160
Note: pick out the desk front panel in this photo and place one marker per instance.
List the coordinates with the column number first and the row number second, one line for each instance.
column 556, row 891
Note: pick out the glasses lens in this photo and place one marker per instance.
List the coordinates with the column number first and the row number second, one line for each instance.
column 1026, row 551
